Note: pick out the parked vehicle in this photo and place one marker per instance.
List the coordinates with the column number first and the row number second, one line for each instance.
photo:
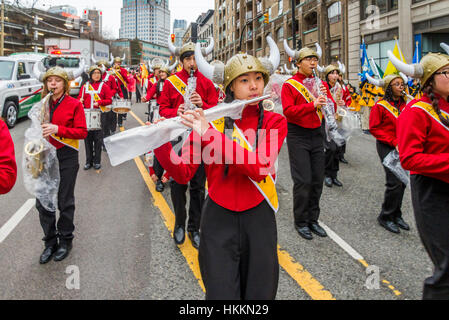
column 19, row 90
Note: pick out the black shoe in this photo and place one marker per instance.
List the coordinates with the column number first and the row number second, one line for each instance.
column 47, row 253
column 401, row 223
column 389, row 225
column 328, row 182
column 337, row 182
column 194, row 237
column 87, row 166
column 97, row 166
column 304, row 232
column 343, row 160
column 179, row 235
column 317, row 229
column 63, row 251
column 159, row 186
column 366, row 132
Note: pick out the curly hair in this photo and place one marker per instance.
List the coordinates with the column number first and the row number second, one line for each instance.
column 389, row 95
column 428, row 89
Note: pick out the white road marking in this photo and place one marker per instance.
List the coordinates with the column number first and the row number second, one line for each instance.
column 9, row 226
column 343, row 244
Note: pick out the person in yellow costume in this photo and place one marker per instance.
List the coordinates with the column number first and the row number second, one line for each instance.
column 369, row 95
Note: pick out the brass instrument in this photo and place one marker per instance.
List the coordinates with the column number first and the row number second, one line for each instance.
column 407, row 95
column 34, row 150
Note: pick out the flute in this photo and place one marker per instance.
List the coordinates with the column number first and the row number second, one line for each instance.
column 407, row 95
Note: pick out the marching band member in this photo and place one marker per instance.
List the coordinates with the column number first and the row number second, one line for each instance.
column 423, row 135
column 238, row 251
column 108, row 118
column 121, row 75
column 383, row 122
column 67, row 126
column 156, row 171
column 332, row 153
column 171, row 104
column 355, row 99
column 8, row 166
column 95, row 94
column 305, row 142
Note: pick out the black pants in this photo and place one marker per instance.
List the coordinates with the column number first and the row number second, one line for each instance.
column 68, row 170
column 120, row 117
column 238, row 253
column 394, row 193
column 157, row 167
column 306, row 154
column 197, row 194
column 341, row 151
column 332, row 159
column 430, row 199
column 107, row 123
column 93, row 143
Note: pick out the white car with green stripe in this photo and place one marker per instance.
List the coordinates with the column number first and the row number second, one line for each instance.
column 19, row 89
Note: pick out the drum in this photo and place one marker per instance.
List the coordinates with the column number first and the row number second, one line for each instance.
column 121, row 106
column 93, row 119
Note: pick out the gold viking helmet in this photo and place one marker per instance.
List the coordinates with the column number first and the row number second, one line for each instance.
column 330, row 68
column 385, row 82
column 239, row 64
column 190, row 46
column 58, row 71
column 94, row 67
column 304, row 52
column 423, row 70
column 167, row 68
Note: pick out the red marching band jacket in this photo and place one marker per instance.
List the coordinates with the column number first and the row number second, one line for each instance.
column 124, row 75
column 112, row 84
column 296, row 108
column 70, row 119
column 88, row 99
column 8, row 166
column 234, row 191
column 171, row 98
column 423, row 139
column 383, row 121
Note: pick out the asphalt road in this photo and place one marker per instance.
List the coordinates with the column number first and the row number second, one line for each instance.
column 123, row 247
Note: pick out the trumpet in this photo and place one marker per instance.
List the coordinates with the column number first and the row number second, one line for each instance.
column 407, row 95
column 34, row 150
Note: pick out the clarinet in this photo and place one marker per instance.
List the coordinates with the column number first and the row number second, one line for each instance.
column 328, row 108
column 191, row 87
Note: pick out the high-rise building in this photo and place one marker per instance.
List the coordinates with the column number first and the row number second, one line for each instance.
column 179, row 28
column 150, row 22
column 96, row 20
column 64, row 9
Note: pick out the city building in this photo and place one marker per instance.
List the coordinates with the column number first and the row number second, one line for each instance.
column 240, row 27
column 150, row 22
column 26, row 28
column 138, row 51
column 378, row 23
column 64, row 9
column 96, row 21
column 205, row 24
column 179, row 29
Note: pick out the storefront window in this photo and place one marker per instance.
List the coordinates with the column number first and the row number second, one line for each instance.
column 378, row 51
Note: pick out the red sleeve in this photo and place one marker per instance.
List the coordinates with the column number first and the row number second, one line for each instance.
column 80, row 94
column 106, row 96
column 254, row 164
column 151, row 92
column 292, row 111
column 413, row 128
column 166, row 109
column 8, row 166
column 376, row 126
column 79, row 130
column 124, row 74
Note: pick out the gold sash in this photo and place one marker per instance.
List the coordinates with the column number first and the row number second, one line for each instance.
column 72, row 143
column 117, row 73
column 97, row 97
column 306, row 94
column 389, row 107
column 267, row 187
column 429, row 109
column 178, row 84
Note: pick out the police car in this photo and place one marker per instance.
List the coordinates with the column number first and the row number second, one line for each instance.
column 19, row 89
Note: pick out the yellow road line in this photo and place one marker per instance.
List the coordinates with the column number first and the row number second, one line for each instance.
column 304, row 279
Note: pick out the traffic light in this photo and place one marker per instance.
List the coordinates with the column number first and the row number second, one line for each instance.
column 173, row 38
column 266, row 18
column 290, row 59
column 299, row 44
